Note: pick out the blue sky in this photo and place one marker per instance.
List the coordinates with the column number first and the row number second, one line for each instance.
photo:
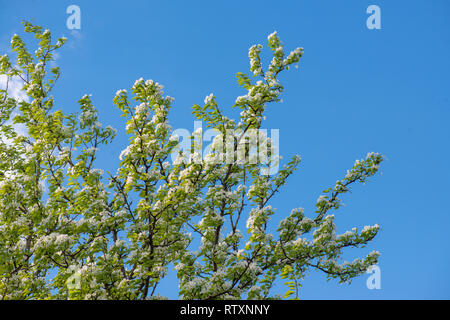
column 356, row 91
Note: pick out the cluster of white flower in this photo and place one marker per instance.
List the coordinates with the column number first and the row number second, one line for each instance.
column 56, row 240
column 120, row 92
column 142, row 108
column 255, row 60
column 209, row 98
column 257, row 217
column 294, row 56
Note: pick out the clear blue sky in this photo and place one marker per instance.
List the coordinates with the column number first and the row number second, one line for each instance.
column 356, row 90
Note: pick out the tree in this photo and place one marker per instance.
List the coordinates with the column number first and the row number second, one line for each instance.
column 119, row 233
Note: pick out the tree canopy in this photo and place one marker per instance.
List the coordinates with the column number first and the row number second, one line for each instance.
column 121, row 232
